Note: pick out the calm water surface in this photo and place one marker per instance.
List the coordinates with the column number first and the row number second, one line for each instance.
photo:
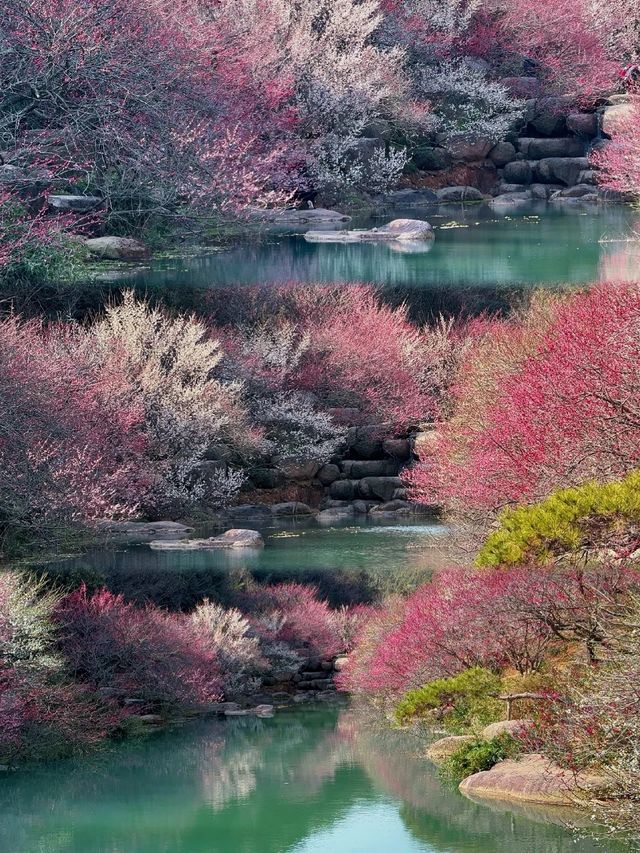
column 306, row 781
column 354, row 561
column 311, row 780
column 479, row 259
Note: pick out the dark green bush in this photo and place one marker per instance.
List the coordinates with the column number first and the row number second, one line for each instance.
column 459, row 703
column 478, row 755
column 566, row 521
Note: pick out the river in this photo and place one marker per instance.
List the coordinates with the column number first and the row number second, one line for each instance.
column 312, row 779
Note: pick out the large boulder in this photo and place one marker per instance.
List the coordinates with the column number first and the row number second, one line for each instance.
column 398, row 448
column 617, row 114
column 398, row 230
column 468, row 149
column 518, row 172
column 368, row 442
column 356, row 469
column 117, row 248
column 511, row 201
column 583, row 124
column 335, row 514
column 291, row 508
column 510, row 727
column 530, row 779
column 561, row 170
column 538, row 149
column 396, row 506
column 502, row 153
column 342, row 490
column 294, row 468
column 379, row 487
column 235, row 538
column 549, row 117
column 444, row 748
column 328, row 474
column 462, row 193
column 268, row 478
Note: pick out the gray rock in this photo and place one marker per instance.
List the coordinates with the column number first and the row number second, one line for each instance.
column 117, row 248
column 538, row 149
column 561, row 170
column 400, row 230
column 368, row 442
column 429, row 159
column 379, row 487
column 392, row 506
column 361, row 507
column 550, row 116
column 543, row 191
column 235, row 538
column 343, row 490
column 518, row 172
column 587, row 176
column 297, row 469
column 463, row 194
column 268, row 478
column 328, row 474
column 398, row 448
column 510, row 200
column 291, row 508
column 577, row 191
column 330, row 516
column 357, row 469
column 468, row 149
column 78, row 203
column 615, row 114
column 502, row 153
column 583, row 124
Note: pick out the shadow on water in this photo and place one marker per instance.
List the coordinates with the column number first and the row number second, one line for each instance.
column 307, row 781
column 349, row 563
column 480, row 260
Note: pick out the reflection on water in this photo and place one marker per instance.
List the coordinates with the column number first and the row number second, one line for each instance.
column 306, row 781
column 352, row 562
column 480, row 265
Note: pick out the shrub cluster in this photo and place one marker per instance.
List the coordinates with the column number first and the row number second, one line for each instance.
column 78, row 667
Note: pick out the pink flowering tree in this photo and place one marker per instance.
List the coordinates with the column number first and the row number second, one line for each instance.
column 541, row 405
column 146, row 653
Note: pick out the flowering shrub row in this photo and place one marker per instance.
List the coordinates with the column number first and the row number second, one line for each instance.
column 76, row 668
column 122, row 415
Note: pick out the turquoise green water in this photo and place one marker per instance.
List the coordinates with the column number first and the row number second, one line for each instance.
column 306, row 781
column 479, row 259
column 349, row 562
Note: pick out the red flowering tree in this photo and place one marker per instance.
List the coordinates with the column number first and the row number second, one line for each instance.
column 618, row 162
column 460, row 620
column 146, row 653
column 542, row 407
